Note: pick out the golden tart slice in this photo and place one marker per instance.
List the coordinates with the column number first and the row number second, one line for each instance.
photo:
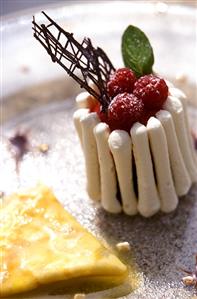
column 41, row 244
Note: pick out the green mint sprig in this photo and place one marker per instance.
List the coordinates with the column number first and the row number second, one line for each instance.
column 137, row 51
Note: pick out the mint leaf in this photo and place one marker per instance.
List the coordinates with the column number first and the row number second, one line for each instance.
column 137, row 51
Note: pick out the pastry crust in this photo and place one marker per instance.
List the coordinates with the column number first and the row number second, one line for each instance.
column 41, row 244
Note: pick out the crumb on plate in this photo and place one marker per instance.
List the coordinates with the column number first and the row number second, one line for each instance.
column 79, row 296
column 123, row 246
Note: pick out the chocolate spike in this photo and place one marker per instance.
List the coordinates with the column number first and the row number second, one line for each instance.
column 73, row 57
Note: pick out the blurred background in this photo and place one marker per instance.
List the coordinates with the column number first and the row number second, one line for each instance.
column 29, row 78
column 10, row 6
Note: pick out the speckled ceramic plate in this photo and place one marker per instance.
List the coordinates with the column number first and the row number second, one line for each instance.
column 37, row 98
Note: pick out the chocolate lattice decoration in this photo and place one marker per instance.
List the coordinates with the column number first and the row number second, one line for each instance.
column 81, row 61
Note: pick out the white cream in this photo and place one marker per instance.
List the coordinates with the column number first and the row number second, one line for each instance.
column 77, row 116
column 182, row 97
column 180, row 174
column 84, row 100
column 175, row 107
column 107, row 170
column 148, row 198
column 88, row 122
column 121, row 148
column 159, row 149
column 169, row 83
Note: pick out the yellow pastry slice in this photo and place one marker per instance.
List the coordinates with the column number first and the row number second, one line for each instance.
column 41, row 244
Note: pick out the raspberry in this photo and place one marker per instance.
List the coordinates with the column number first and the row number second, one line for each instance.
column 152, row 90
column 124, row 110
column 103, row 117
column 121, row 81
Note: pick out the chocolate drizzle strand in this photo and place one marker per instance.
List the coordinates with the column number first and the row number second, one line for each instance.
column 81, row 61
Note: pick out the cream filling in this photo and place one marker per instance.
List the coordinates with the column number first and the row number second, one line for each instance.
column 107, row 170
column 148, row 198
column 159, row 149
column 175, row 107
column 121, row 148
column 180, row 174
column 88, row 122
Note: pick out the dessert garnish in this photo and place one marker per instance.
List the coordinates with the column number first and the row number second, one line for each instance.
column 43, row 245
column 123, row 110
column 80, row 60
column 125, row 95
column 137, row 51
column 121, row 81
column 152, row 90
column 191, row 278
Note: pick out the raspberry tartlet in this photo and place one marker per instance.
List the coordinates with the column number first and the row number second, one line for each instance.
column 132, row 124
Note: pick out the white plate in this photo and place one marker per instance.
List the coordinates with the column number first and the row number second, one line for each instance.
column 31, row 80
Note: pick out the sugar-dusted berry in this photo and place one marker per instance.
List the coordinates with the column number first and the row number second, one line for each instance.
column 152, row 90
column 124, row 110
column 121, row 81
